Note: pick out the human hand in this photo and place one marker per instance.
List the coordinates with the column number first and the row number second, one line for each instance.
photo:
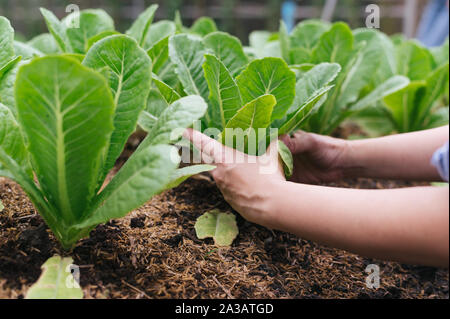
column 317, row 158
column 246, row 182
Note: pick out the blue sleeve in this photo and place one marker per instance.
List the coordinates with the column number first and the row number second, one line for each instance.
column 433, row 29
column 288, row 14
column 440, row 161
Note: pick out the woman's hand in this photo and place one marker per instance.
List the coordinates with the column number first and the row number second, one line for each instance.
column 406, row 225
column 246, row 182
column 317, row 158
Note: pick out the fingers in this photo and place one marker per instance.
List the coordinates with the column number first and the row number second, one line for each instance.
column 301, row 142
column 287, row 140
column 206, row 145
column 272, row 150
column 270, row 163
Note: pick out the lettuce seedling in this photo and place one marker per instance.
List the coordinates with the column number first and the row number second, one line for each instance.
column 263, row 44
column 72, row 34
column 262, row 94
column 6, row 41
column 8, row 58
column 366, row 76
column 423, row 103
column 9, row 62
column 72, row 123
column 95, row 25
column 203, row 26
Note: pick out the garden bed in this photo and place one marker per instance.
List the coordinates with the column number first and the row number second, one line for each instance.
column 154, row 253
column 58, row 110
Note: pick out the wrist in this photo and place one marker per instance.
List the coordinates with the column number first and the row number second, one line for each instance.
column 272, row 205
column 353, row 159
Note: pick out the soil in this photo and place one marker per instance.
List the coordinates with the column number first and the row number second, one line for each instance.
column 154, row 253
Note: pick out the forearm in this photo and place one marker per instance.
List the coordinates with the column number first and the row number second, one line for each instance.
column 406, row 225
column 404, row 156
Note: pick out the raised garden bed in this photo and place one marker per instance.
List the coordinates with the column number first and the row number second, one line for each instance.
column 154, row 253
column 70, row 100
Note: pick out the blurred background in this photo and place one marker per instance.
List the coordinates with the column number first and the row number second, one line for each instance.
column 238, row 17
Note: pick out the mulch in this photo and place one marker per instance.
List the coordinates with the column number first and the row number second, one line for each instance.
column 154, row 253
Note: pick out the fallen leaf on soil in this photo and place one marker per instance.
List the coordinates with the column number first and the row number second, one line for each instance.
column 55, row 282
column 220, row 226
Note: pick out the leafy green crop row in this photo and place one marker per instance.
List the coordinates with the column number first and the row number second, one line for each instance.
column 386, row 84
column 423, row 104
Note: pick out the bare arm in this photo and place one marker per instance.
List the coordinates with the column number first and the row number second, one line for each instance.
column 406, row 225
column 404, row 156
column 320, row 158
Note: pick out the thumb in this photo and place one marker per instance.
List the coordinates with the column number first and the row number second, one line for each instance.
column 272, row 150
column 206, row 145
column 270, row 161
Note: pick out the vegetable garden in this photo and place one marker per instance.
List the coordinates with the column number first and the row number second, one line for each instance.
column 89, row 123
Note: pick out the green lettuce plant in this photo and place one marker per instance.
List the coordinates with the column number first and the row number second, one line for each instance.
column 71, row 128
column 261, row 94
column 67, row 120
column 423, row 103
column 8, row 58
column 95, row 25
column 263, row 44
column 364, row 55
column 361, row 54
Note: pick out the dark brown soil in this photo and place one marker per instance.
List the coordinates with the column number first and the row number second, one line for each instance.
column 154, row 253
